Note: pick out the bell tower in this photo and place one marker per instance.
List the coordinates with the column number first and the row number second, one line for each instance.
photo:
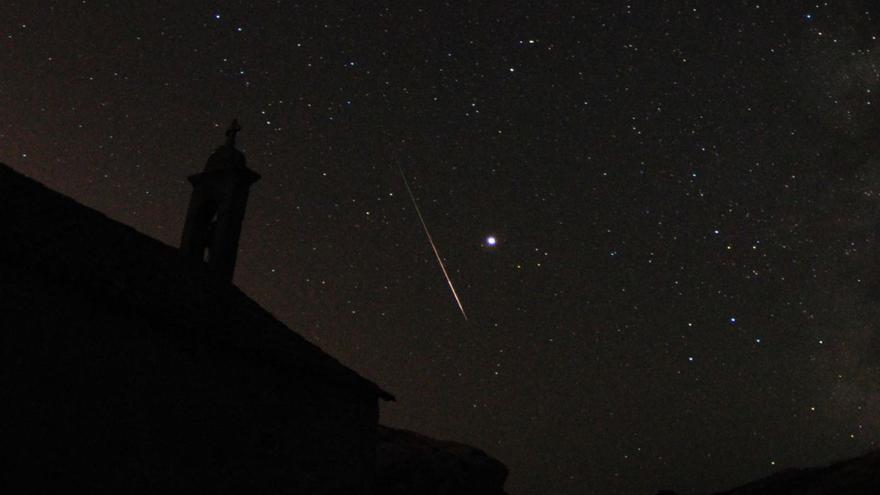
column 216, row 208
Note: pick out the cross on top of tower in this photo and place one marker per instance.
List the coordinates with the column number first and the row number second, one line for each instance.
column 233, row 129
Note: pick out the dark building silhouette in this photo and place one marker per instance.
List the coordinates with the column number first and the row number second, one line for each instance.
column 128, row 368
column 216, row 208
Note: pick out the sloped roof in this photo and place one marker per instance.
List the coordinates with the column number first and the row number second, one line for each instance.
column 55, row 234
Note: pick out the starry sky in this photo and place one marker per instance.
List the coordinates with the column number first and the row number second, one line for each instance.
column 685, row 196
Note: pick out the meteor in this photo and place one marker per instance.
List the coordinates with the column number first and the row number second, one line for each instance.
column 431, row 241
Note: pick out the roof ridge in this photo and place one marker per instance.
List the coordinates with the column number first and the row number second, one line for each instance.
column 109, row 269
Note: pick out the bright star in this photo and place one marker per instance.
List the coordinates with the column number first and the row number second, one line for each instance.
column 491, row 241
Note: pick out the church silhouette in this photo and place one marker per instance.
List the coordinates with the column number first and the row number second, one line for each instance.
column 129, row 366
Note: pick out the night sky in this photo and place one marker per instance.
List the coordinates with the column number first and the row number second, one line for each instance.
column 685, row 198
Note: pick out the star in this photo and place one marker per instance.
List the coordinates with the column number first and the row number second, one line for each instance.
column 710, row 194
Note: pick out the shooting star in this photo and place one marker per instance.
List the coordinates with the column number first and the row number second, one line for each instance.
column 433, row 246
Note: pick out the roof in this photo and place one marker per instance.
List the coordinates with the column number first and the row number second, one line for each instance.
column 77, row 243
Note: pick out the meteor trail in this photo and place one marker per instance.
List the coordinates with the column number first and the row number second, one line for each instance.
column 431, row 241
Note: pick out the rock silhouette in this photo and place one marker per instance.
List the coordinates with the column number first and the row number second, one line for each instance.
column 857, row 476
column 410, row 463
